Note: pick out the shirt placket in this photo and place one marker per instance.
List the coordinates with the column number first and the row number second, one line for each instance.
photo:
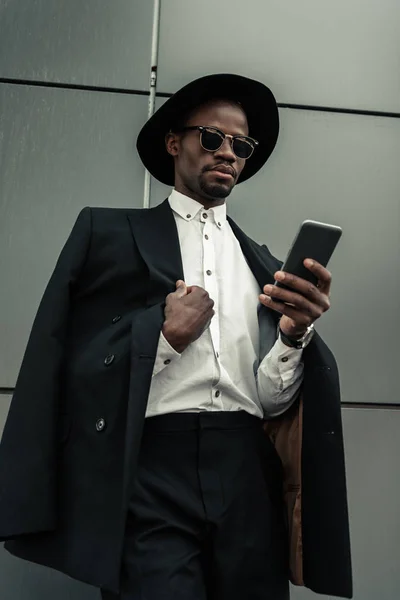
column 210, row 285
column 210, row 277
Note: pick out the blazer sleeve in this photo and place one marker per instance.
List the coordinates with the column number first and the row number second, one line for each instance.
column 28, row 448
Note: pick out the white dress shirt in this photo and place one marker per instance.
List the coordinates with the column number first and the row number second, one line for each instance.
column 216, row 372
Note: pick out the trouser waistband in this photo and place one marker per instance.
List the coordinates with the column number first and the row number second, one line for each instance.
column 202, row 420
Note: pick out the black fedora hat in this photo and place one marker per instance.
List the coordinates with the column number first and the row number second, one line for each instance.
column 256, row 99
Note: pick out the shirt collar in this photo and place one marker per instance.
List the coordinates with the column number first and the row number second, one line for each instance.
column 188, row 209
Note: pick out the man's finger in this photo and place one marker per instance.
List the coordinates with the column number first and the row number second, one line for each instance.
column 322, row 274
column 277, row 298
column 181, row 288
column 297, row 285
column 308, row 289
column 301, row 319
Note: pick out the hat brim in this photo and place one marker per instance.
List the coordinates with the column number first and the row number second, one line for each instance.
column 256, row 99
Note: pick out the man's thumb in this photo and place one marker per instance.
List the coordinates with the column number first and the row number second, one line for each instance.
column 181, row 288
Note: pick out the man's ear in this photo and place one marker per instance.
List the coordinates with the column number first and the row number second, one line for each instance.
column 172, row 142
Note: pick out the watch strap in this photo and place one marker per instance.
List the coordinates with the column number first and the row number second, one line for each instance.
column 291, row 342
column 298, row 343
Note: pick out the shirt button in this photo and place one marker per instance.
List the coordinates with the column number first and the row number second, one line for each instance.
column 206, row 236
column 285, row 359
column 109, row 359
column 188, row 216
column 217, row 393
column 217, row 354
column 219, row 224
column 205, row 215
column 167, row 362
column 209, row 272
column 100, row 425
column 116, row 319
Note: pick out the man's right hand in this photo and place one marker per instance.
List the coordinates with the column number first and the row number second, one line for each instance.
column 188, row 312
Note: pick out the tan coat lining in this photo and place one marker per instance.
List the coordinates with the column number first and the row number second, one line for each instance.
column 286, row 434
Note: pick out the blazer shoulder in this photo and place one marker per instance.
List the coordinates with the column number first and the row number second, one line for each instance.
column 106, row 214
column 103, row 212
column 109, row 220
column 106, row 218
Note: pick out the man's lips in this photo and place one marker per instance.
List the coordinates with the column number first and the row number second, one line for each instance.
column 224, row 172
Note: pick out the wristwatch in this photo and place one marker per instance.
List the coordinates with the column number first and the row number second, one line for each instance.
column 299, row 343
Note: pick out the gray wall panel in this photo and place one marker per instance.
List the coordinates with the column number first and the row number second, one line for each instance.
column 59, row 151
column 341, row 169
column 95, row 42
column 372, row 450
column 326, row 53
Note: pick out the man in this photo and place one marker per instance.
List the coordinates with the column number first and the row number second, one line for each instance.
column 136, row 454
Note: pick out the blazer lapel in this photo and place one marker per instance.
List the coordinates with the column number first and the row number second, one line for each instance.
column 156, row 236
column 262, row 267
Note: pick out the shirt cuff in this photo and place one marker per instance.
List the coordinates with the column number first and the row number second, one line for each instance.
column 166, row 354
column 279, row 378
column 286, row 360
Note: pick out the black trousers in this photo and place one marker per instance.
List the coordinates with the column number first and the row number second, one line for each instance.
column 206, row 520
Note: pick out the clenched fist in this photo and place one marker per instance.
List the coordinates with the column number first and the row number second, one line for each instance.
column 188, row 312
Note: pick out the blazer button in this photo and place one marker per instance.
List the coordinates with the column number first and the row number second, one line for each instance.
column 100, row 424
column 116, row 319
column 109, row 359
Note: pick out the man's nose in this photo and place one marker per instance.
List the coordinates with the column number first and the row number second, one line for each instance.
column 225, row 151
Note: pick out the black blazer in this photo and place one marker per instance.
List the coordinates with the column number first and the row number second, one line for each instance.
column 70, row 444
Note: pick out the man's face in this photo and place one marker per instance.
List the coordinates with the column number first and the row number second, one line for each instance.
column 196, row 169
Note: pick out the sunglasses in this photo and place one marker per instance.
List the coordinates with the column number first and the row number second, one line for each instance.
column 211, row 139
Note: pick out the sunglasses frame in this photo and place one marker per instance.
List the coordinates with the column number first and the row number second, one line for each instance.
column 201, row 128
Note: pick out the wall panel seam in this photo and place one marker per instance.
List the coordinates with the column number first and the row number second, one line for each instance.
column 74, row 86
column 132, row 92
column 328, row 109
column 369, row 405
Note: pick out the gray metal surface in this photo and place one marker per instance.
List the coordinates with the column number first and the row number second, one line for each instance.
column 60, row 150
column 341, row 169
column 373, row 450
column 342, row 53
column 95, row 42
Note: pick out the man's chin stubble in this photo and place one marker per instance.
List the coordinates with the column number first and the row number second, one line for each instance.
column 215, row 192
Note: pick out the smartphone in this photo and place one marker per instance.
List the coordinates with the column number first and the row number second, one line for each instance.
column 313, row 240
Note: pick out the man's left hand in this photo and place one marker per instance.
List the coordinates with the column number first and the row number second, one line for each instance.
column 305, row 301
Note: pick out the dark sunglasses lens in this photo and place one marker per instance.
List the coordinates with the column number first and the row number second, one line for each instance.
column 242, row 149
column 210, row 140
